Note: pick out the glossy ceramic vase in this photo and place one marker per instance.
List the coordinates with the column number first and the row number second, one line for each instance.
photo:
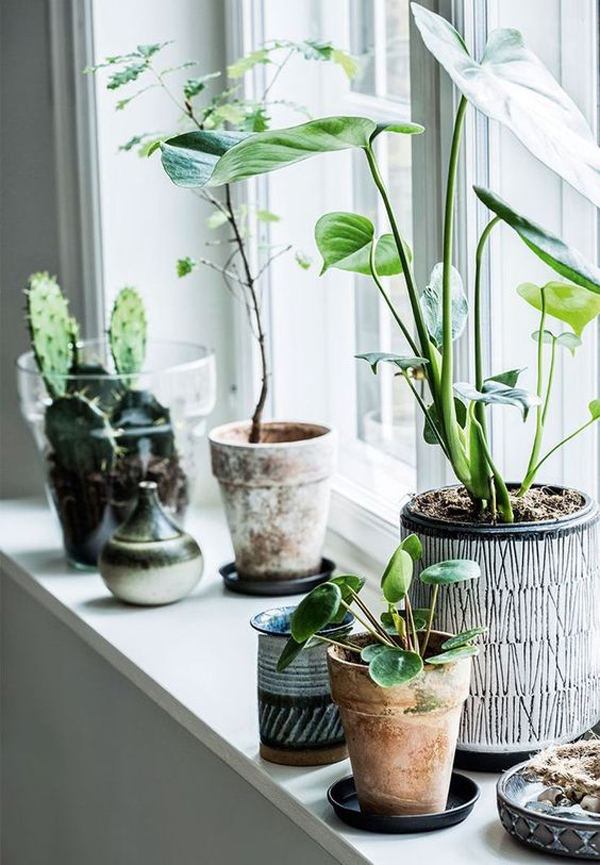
column 401, row 740
column 148, row 427
column 149, row 560
column 276, row 496
column 299, row 723
column 536, row 680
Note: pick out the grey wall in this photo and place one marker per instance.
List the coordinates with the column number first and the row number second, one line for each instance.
column 95, row 773
column 28, row 216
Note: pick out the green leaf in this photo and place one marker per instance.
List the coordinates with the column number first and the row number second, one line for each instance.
column 462, row 639
column 216, row 219
column 290, row 652
column 374, row 358
column 495, row 393
column 450, row 571
column 370, row 652
column 594, row 408
column 348, row 583
column 185, row 265
column 567, row 339
column 551, row 249
column 245, row 64
column 267, row 216
column 189, row 159
column 315, row 611
column 397, row 576
column 405, row 128
column 394, row 667
column 346, row 61
column 432, row 420
column 125, row 75
column 453, row 655
column 413, row 546
column 512, row 86
column 431, row 303
column 302, row 260
column 194, row 86
column 571, row 304
column 509, row 378
column 345, row 239
column 256, row 120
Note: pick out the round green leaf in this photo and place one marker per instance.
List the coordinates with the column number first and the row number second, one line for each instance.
column 345, row 240
column 397, row 576
column 315, row 611
column 462, row 639
column 370, row 652
column 290, row 652
column 420, row 622
column 413, row 546
column 594, row 408
column 348, row 583
column 394, row 667
column 572, row 304
column 453, row 655
column 451, row 571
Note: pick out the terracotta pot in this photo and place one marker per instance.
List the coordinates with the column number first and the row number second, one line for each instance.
column 535, row 681
column 276, row 495
column 401, row 740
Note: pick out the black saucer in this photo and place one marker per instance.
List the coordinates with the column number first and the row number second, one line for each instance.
column 275, row 588
column 462, row 797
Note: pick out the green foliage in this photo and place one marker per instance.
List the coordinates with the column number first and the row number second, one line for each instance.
column 567, row 339
column 127, row 332
column 571, row 304
column 374, row 358
column 450, row 571
column 80, row 436
column 454, row 655
column 195, row 86
column 143, row 425
column 316, row 611
column 431, row 302
column 397, row 576
column 53, row 332
column 303, row 261
column 462, row 639
column 345, row 241
column 392, row 667
column 413, row 546
column 186, row 265
column 496, row 393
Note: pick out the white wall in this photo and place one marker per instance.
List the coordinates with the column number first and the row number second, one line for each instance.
column 147, row 221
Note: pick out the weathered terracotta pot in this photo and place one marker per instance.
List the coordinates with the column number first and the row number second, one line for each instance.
column 276, row 495
column 401, row 740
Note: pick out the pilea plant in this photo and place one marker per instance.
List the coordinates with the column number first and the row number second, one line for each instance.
column 509, row 85
column 400, row 637
column 104, row 434
column 229, row 110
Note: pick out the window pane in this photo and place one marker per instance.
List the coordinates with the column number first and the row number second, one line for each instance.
column 379, row 38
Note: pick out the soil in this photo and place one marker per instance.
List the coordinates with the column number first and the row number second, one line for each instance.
column 273, row 432
column 539, row 504
column 91, row 506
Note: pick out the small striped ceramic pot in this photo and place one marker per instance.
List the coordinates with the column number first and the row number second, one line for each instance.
column 298, row 721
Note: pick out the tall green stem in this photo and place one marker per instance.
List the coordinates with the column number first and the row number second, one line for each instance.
column 539, row 412
column 502, row 496
column 550, row 380
column 457, row 453
column 384, row 294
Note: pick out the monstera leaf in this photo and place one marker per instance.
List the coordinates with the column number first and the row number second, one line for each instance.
column 189, row 159
column 374, row 358
column 432, row 303
column 569, row 303
column 496, row 393
column 345, row 240
column 511, row 85
column 551, row 249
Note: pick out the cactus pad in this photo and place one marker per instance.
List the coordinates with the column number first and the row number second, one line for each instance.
column 80, row 436
column 127, row 332
column 52, row 330
column 142, row 424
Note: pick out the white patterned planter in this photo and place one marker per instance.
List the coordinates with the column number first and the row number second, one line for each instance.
column 537, row 678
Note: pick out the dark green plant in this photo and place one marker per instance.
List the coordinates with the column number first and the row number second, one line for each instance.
column 204, row 110
column 400, row 637
column 81, row 437
column 509, row 85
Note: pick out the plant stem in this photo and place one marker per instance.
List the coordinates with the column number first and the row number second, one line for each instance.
column 408, row 276
column 377, row 625
column 480, row 409
column 531, row 475
column 448, row 414
column 391, row 307
column 410, row 620
column 539, row 411
column 502, row 497
column 422, row 405
column 255, row 431
column 348, row 646
column 434, row 594
column 550, row 380
column 386, row 641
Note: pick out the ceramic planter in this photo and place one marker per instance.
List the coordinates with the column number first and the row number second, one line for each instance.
column 299, row 723
column 401, row 740
column 149, row 560
column 276, row 496
column 537, row 678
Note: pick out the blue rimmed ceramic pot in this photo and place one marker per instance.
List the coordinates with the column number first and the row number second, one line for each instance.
column 299, row 723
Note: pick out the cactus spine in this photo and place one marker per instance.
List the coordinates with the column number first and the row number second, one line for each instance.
column 127, row 332
column 53, row 331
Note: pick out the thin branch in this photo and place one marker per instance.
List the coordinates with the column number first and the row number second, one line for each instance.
column 270, row 261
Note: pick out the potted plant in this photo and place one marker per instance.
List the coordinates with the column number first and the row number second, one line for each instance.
column 274, row 475
column 537, row 545
column 400, row 686
column 107, row 414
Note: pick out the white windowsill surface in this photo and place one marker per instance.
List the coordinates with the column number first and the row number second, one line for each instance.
column 181, row 655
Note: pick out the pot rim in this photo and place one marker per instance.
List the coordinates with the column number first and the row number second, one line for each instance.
column 450, row 527
column 332, row 628
column 26, row 364
column 214, row 436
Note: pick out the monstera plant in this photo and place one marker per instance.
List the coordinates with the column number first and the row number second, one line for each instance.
column 530, row 540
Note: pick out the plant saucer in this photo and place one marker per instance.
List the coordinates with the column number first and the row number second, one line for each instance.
column 275, row 587
column 462, row 796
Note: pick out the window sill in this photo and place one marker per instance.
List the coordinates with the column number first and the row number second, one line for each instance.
column 177, row 656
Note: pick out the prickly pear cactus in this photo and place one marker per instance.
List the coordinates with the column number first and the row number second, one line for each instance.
column 53, row 331
column 80, row 436
column 127, row 332
column 93, row 382
column 143, row 425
